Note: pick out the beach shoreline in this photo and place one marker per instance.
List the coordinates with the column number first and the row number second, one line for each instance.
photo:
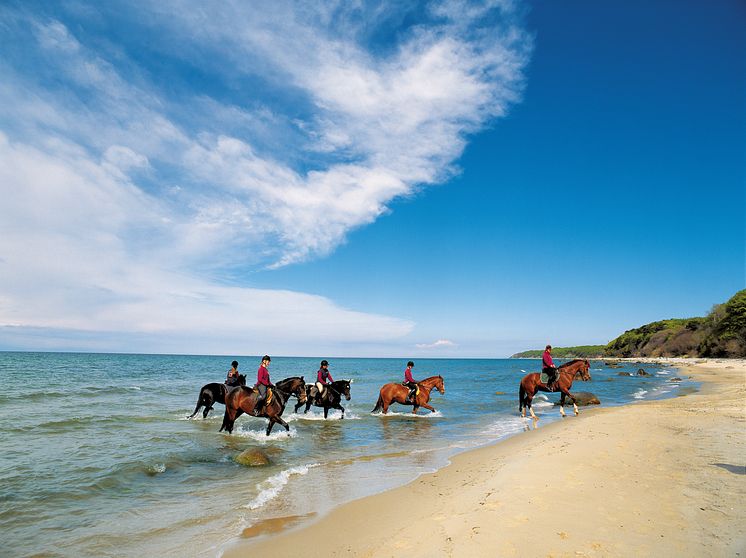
column 662, row 477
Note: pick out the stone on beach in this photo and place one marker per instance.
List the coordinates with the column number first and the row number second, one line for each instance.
column 252, row 458
column 583, row 398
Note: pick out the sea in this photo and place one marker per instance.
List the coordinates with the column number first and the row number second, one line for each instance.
column 98, row 458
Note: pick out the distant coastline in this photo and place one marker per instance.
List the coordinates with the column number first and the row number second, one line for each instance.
column 720, row 334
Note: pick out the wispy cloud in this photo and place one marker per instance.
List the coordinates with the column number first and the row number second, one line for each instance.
column 439, row 344
column 126, row 196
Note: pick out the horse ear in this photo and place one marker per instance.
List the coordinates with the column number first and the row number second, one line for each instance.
column 350, row 380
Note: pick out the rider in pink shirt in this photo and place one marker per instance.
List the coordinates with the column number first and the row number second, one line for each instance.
column 323, row 379
column 262, row 383
column 410, row 382
column 548, row 367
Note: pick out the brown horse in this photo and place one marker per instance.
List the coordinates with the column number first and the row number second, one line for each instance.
column 242, row 400
column 531, row 383
column 397, row 393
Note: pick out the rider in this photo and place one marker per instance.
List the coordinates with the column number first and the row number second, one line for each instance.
column 262, row 383
column 410, row 382
column 323, row 379
column 548, row 367
column 232, row 379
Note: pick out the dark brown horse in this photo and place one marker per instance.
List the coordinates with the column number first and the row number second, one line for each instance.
column 242, row 400
column 531, row 383
column 214, row 393
column 332, row 397
column 397, row 393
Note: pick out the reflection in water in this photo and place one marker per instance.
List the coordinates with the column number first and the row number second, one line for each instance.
column 396, row 429
column 530, row 426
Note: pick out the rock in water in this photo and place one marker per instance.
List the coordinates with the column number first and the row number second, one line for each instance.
column 642, row 372
column 252, row 458
column 582, row 398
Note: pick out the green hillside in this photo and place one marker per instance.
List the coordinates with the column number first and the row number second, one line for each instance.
column 722, row 333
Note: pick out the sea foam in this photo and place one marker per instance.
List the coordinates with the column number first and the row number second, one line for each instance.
column 270, row 488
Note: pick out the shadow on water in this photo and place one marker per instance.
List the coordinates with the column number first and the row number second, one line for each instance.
column 735, row 469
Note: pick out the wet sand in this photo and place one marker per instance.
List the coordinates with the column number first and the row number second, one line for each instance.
column 663, row 478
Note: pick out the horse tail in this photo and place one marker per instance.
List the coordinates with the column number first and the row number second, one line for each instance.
column 521, row 396
column 379, row 404
column 200, row 402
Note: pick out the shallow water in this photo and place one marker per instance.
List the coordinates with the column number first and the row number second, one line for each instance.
column 99, row 459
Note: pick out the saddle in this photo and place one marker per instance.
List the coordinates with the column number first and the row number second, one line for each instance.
column 270, row 395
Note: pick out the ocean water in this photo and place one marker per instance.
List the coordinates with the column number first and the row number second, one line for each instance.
column 97, row 457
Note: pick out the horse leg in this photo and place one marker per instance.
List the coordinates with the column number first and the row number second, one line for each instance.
column 326, row 411
column 529, row 399
column 270, row 425
column 562, row 404
column 431, row 409
column 298, row 406
column 574, row 402
column 338, row 406
column 208, row 402
column 227, row 422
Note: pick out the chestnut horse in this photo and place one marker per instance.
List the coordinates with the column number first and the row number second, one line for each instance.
column 214, row 393
column 242, row 400
column 397, row 393
column 531, row 383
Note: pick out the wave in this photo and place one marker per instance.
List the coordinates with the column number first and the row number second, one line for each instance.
column 270, row 488
column 278, row 434
column 541, row 400
column 640, row 394
column 319, row 415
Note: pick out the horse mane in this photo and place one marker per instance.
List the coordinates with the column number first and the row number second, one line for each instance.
column 572, row 362
column 290, row 379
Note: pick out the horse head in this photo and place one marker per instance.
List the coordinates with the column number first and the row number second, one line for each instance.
column 242, row 379
column 343, row 387
column 434, row 382
column 294, row 386
column 580, row 367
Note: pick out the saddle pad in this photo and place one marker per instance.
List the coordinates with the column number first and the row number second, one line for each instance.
column 269, row 395
column 544, row 377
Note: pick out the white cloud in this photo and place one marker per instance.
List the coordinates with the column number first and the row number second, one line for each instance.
column 121, row 202
column 439, row 344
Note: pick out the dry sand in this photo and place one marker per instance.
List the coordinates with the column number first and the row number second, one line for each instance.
column 658, row 478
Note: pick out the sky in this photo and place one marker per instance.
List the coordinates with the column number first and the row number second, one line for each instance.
column 373, row 179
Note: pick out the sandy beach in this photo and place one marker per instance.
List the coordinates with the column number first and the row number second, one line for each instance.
column 657, row 478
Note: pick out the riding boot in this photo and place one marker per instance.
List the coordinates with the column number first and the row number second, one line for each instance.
column 411, row 396
column 258, row 407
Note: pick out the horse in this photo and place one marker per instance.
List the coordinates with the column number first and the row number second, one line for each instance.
column 397, row 393
column 531, row 383
column 332, row 396
column 243, row 399
column 214, row 393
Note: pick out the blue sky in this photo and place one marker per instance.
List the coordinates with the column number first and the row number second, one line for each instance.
column 437, row 179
